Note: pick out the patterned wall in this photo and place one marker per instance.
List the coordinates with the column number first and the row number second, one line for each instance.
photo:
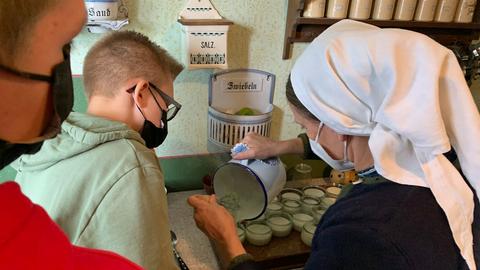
column 255, row 41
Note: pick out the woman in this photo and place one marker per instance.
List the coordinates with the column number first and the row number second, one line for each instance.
column 388, row 103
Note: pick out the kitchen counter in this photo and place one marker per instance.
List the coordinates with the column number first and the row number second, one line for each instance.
column 198, row 253
column 193, row 245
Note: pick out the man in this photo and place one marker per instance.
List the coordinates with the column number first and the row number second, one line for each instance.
column 35, row 96
column 114, row 196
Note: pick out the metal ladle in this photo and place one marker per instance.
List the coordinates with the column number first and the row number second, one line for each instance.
column 180, row 261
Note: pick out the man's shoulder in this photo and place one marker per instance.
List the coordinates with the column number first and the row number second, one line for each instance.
column 126, row 155
column 133, row 151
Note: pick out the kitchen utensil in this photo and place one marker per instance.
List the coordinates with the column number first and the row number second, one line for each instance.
column 245, row 187
column 180, row 261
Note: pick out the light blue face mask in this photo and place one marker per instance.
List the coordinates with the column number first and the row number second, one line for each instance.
column 339, row 165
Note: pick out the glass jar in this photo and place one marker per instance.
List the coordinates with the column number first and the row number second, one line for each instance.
column 308, row 231
column 337, row 9
column 446, row 10
column 290, row 194
column 333, row 192
column 318, row 213
column 383, row 9
column 299, row 219
column 465, row 11
column 241, row 233
column 291, row 206
column 302, row 171
column 281, row 224
column 405, row 10
column 262, row 217
column 327, row 202
column 314, row 8
column 425, row 10
column 360, row 9
column 308, row 203
column 314, row 191
column 274, row 208
column 258, row 233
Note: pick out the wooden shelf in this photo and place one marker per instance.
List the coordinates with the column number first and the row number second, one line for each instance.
column 301, row 29
column 391, row 23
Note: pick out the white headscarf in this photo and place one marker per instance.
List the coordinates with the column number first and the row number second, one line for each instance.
column 408, row 94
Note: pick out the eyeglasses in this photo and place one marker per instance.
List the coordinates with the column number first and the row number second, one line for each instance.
column 172, row 106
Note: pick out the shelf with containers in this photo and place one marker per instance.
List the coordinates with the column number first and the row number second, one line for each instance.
column 305, row 29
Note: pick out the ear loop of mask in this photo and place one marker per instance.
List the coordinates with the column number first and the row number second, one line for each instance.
column 159, row 107
column 320, row 126
column 62, row 94
column 161, row 110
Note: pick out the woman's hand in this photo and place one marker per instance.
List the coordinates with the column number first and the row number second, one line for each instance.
column 260, row 147
column 217, row 223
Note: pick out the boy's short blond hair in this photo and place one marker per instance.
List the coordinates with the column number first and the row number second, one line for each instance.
column 121, row 56
column 17, row 19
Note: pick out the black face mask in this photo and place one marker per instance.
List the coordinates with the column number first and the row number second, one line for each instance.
column 154, row 136
column 62, row 93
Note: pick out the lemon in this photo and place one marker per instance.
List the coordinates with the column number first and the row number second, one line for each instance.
column 245, row 111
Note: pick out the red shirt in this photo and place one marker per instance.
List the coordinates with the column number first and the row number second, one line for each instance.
column 29, row 239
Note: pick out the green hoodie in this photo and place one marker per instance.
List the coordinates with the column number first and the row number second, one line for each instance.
column 104, row 187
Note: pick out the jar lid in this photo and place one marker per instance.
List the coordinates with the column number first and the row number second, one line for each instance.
column 303, row 168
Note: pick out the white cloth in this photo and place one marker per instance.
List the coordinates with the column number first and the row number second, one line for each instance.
column 408, row 93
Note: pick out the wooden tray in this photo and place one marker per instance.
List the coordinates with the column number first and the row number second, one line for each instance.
column 281, row 253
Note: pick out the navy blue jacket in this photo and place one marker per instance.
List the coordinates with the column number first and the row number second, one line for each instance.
column 386, row 226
